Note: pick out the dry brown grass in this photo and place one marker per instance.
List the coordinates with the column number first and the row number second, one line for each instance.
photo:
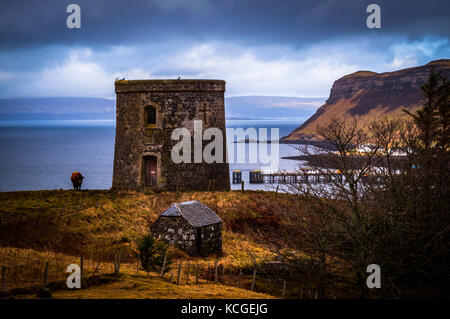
column 26, row 267
column 99, row 222
column 25, row 273
column 58, row 226
column 132, row 287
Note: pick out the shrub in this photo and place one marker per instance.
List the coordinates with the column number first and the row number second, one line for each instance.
column 152, row 252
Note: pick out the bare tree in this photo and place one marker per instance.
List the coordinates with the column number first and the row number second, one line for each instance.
column 384, row 200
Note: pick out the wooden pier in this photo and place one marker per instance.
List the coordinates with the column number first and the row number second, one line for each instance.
column 304, row 175
column 298, row 177
column 237, row 176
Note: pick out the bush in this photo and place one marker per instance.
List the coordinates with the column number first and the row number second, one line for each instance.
column 152, row 252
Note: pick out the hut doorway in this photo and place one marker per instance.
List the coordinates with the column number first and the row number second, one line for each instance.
column 150, row 170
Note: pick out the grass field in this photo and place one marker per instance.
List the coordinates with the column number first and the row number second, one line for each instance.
column 58, row 226
column 156, row 288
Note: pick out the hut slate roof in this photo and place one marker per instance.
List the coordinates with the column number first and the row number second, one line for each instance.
column 194, row 212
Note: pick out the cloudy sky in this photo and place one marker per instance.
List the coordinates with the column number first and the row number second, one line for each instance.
column 260, row 47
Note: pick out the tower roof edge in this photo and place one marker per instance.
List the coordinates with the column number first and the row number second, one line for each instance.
column 190, row 85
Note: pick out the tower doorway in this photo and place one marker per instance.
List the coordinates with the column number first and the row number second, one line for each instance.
column 150, row 170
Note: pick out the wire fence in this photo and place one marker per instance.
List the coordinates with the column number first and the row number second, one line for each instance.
column 21, row 268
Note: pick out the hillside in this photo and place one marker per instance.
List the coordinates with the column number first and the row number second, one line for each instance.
column 58, row 226
column 369, row 95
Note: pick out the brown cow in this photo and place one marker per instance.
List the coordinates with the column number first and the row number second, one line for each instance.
column 76, row 179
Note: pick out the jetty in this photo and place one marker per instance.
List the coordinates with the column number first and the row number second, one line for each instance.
column 303, row 175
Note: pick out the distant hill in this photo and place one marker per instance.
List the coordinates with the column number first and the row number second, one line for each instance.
column 54, row 108
column 369, row 95
column 83, row 108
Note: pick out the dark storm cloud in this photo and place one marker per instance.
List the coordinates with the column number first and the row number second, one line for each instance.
column 261, row 47
column 297, row 23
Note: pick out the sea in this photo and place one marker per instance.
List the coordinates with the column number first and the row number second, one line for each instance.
column 42, row 154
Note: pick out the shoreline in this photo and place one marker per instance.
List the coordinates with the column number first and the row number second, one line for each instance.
column 322, row 144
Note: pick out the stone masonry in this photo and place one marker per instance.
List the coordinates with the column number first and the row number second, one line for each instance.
column 143, row 133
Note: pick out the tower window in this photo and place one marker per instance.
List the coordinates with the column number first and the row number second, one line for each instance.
column 150, row 114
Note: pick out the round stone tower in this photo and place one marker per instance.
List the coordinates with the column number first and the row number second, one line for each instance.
column 147, row 112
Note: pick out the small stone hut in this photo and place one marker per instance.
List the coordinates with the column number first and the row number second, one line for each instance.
column 190, row 226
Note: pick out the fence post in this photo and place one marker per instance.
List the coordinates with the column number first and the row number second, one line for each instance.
column 179, row 273
column 215, row 272
column 196, row 275
column 242, row 185
column 187, row 273
column 209, row 271
column 148, row 265
column 164, row 265
column 240, row 276
column 137, row 265
column 81, row 269
column 115, row 263
column 283, row 294
column 46, row 275
column 3, row 277
column 14, row 266
column 97, row 267
column 120, row 260
column 253, row 281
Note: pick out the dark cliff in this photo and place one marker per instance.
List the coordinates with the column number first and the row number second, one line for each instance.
column 369, row 95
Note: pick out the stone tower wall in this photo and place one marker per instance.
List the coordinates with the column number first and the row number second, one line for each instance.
column 178, row 104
